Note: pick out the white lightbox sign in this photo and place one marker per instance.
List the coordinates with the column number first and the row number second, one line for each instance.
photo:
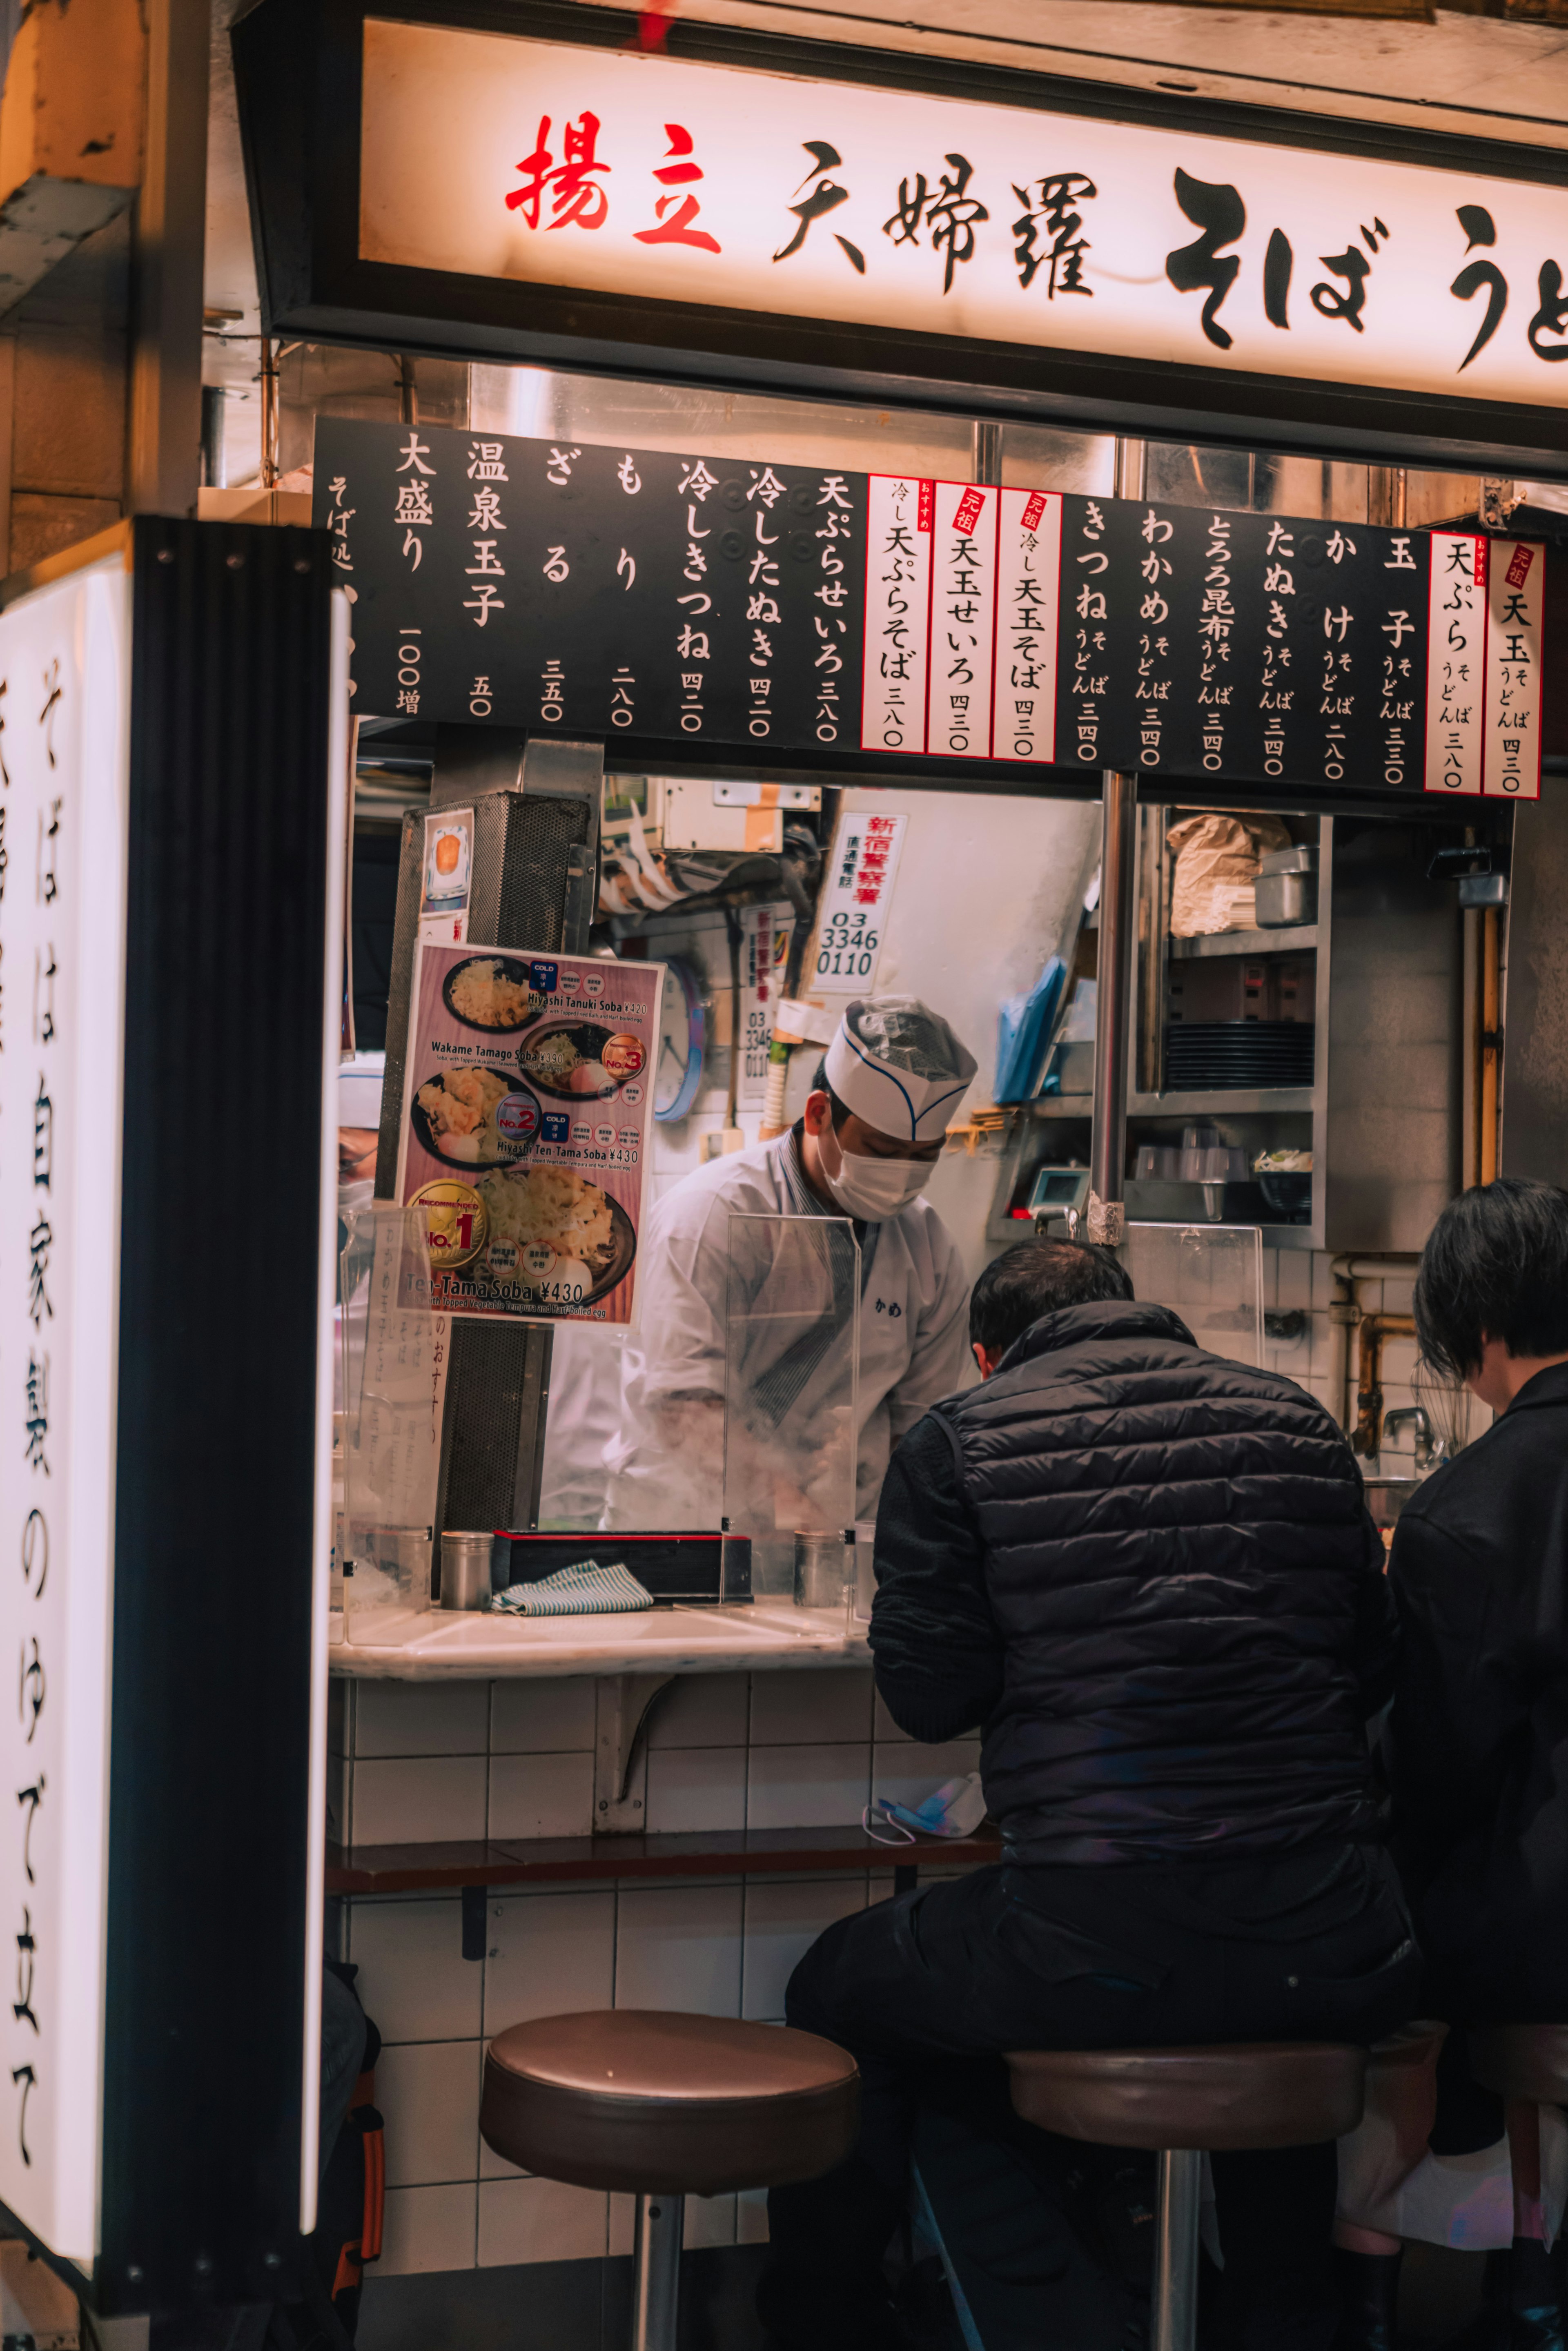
column 65, row 698
column 655, row 178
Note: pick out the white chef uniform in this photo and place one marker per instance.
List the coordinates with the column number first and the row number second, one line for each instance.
column 667, row 1464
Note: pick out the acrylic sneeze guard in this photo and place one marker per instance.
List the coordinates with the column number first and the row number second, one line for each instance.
column 792, row 1389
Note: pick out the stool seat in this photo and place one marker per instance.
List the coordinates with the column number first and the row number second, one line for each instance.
column 647, row 2102
column 1261, row 2095
column 1521, row 2061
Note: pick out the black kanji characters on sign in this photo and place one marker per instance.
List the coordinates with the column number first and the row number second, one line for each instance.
column 1051, row 209
column 1348, row 301
column 1217, row 210
column 1480, row 229
column 948, row 212
column 825, row 195
column 1551, row 316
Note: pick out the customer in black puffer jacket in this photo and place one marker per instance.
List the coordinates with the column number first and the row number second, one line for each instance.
column 1148, row 1573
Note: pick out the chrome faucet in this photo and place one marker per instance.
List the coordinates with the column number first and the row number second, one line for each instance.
column 1413, row 1417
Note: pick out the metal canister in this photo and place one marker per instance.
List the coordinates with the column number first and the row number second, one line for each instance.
column 466, row 1570
column 818, row 1567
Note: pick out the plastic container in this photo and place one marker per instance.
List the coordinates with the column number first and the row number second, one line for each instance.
column 821, row 1564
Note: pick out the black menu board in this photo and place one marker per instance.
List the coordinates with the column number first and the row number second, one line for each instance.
column 1199, row 641
column 786, row 608
column 602, row 591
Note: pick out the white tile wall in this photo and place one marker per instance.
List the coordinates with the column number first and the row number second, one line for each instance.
column 418, row 1800
column 883, row 1726
column 412, row 1979
column 783, row 1917
column 541, row 1795
column 808, row 1787
column 541, row 1717
column 809, row 1709
column 692, row 1788
column 704, row 1711
column 539, row 2221
column 678, row 1947
column 549, row 1955
column 429, row 2229
column 421, row 1718
column 428, row 2094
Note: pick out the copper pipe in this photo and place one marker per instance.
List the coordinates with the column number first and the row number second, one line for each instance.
column 1491, row 1046
column 1368, row 1438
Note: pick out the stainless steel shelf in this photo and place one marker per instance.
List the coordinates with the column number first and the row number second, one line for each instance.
column 1210, row 1105
column 1294, row 940
column 1251, row 1099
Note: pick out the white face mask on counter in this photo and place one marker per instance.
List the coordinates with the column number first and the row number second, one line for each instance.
column 872, row 1190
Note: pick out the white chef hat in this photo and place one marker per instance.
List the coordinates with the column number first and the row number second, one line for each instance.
column 897, row 1064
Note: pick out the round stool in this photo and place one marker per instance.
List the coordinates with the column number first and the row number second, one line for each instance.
column 666, row 2106
column 1179, row 2102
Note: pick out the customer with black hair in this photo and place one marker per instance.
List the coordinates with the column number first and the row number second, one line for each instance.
column 1477, row 1735
column 1149, row 1573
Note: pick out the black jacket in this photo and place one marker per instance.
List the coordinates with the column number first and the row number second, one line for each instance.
column 1478, row 1737
column 1151, row 1574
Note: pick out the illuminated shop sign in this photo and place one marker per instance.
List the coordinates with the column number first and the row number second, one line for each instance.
column 541, row 162
column 766, row 211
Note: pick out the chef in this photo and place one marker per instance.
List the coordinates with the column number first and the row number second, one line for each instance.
column 872, row 1131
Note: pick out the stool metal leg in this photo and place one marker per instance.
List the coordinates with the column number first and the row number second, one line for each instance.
column 1175, row 2250
column 656, row 2271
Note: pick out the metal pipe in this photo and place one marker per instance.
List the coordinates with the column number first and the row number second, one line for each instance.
column 1107, row 1217
column 214, row 470
column 1174, row 2300
column 656, row 2271
column 1108, row 1132
column 1491, row 1045
column 268, row 413
column 985, row 453
column 1367, row 1436
column 1470, row 1075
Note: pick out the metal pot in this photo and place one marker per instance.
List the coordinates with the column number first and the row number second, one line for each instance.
column 1283, row 899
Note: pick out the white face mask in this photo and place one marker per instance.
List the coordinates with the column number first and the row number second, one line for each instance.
column 872, row 1190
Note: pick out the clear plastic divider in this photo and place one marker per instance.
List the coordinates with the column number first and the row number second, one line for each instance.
column 791, row 1423
column 1211, row 1275
column 394, row 1365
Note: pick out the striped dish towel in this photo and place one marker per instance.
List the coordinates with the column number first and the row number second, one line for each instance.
column 585, row 1590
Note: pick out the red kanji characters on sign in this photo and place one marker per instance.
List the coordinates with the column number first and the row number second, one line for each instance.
column 677, row 230
column 574, row 197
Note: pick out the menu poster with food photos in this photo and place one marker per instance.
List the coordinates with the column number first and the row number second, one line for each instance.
column 528, row 1112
